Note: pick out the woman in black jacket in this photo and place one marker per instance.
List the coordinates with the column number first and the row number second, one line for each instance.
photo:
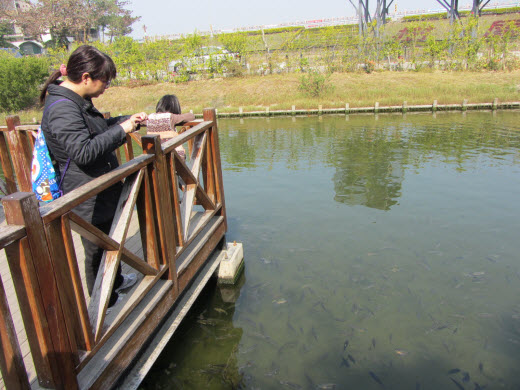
column 83, row 143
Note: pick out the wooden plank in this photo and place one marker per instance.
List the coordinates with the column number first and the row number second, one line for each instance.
column 101, row 239
column 22, row 209
column 27, row 128
column 120, row 314
column 11, row 361
column 66, row 203
column 114, row 357
column 21, row 153
column 161, row 187
column 138, row 372
column 187, row 274
column 146, row 215
column 209, row 178
column 7, row 166
column 171, row 144
column 189, row 193
column 129, row 148
column 136, row 137
column 195, row 232
column 79, row 293
column 10, row 234
column 107, row 273
column 58, row 252
column 198, row 243
column 172, row 158
column 210, row 115
column 118, row 155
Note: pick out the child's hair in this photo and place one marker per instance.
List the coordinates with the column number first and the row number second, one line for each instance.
column 169, row 103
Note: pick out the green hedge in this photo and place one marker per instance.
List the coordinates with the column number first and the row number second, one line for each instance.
column 20, row 81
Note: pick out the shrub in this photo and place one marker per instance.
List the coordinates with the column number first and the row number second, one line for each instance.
column 20, row 81
column 314, row 83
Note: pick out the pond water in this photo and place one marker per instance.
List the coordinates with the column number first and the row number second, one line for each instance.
column 381, row 252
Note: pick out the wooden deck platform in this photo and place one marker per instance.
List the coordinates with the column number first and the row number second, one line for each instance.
column 169, row 221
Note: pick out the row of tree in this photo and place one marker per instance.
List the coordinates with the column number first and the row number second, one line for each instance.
column 66, row 18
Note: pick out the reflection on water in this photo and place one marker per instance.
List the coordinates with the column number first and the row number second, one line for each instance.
column 380, row 253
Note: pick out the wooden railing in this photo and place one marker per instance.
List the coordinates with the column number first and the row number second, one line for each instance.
column 181, row 218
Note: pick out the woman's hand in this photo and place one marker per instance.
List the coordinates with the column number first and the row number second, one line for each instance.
column 131, row 124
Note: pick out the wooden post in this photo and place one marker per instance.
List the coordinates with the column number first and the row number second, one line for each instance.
column 293, row 110
column 162, row 194
column 11, row 361
column 7, row 166
column 210, row 115
column 464, row 104
column 267, row 111
column 240, row 112
column 129, row 148
column 405, row 107
column 36, row 287
column 376, row 108
column 347, row 108
column 21, row 154
column 320, row 109
column 495, row 103
column 434, row 106
column 147, row 227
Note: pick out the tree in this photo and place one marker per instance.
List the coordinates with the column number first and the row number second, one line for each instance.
column 6, row 28
column 63, row 18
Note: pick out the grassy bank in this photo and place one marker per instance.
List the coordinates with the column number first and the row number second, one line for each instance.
column 280, row 92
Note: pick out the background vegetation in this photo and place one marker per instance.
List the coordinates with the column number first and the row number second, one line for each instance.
column 315, row 66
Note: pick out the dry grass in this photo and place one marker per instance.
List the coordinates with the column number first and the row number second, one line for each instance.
column 281, row 92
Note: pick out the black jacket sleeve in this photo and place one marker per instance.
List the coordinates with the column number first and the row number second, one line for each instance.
column 70, row 129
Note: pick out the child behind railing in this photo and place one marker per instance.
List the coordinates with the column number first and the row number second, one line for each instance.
column 168, row 114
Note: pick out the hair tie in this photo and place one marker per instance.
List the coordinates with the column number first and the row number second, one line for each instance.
column 63, row 70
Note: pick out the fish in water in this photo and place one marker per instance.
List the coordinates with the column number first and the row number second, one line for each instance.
column 481, row 367
column 290, row 385
column 326, row 386
column 345, row 345
column 344, row 362
column 457, row 384
column 465, row 377
column 453, row 371
column 478, row 387
column 401, row 352
column 375, row 377
column 373, row 342
column 349, row 356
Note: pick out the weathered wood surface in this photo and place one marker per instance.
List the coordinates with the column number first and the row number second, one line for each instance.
column 74, row 341
column 133, row 245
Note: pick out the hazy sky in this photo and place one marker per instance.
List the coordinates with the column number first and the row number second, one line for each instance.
column 163, row 17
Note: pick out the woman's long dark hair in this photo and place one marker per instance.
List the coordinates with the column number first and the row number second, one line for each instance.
column 85, row 59
column 168, row 103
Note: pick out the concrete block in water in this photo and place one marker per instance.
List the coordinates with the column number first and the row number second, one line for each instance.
column 232, row 264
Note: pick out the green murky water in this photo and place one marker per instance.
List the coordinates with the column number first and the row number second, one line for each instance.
column 381, row 252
